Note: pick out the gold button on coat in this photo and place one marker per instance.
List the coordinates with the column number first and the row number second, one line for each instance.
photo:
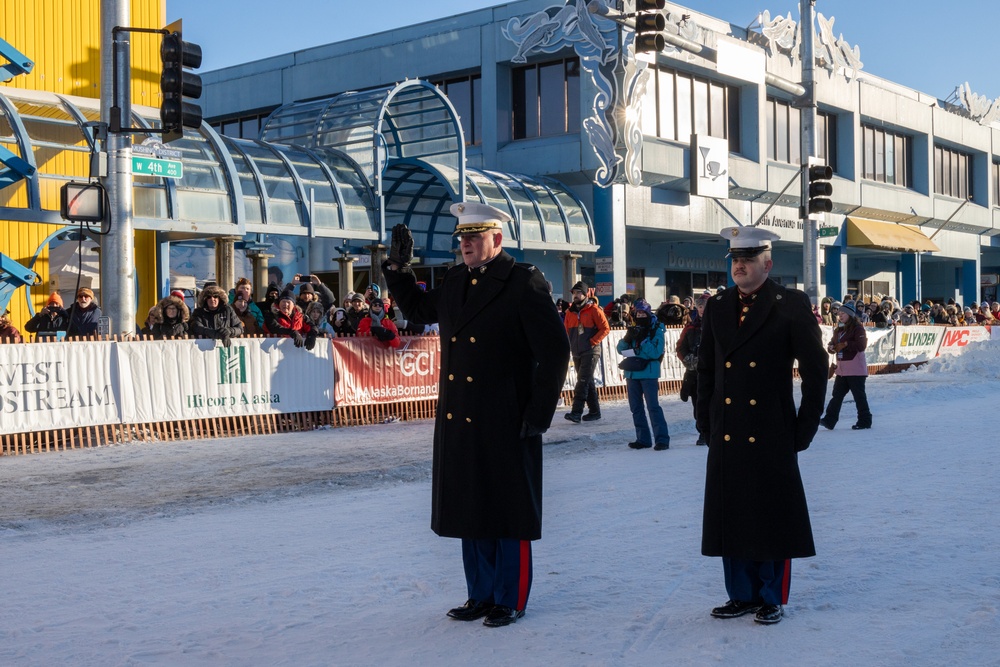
column 753, row 364
column 449, row 417
column 468, row 419
column 451, row 376
column 727, row 438
column 472, row 339
column 454, row 339
column 729, row 364
column 474, row 281
column 728, row 401
column 753, row 401
column 753, row 440
column 468, row 379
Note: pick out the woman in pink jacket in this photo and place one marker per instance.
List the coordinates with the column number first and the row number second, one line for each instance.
column 848, row 343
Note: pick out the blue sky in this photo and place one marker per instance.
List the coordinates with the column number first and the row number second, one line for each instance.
column 930, row 46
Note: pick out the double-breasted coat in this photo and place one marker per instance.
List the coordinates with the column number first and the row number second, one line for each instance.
column 504, row 354
column 755, row 505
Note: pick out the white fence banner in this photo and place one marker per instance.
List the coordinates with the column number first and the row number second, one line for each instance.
column 188, row 379
column 956, row 338
column 47, row 386
column 918, row 343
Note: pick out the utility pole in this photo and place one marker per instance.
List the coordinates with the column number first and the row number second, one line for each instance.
column 118, row 246
column 810, row 227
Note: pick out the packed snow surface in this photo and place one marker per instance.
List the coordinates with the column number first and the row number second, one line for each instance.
column 315, row 548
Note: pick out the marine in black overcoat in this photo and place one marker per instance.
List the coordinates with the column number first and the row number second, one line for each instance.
column 755, row 506
column 504, row 355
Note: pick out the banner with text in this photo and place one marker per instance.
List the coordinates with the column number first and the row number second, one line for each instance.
column 171, row 380
column 58, row 385
column 955, row 339
column 366, row 372
column 918, row 343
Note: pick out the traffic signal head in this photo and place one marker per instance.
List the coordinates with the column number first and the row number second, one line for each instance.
column 176, row 83
column 820, row 188
column 649, row 26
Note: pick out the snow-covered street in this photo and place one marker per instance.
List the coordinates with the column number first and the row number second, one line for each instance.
column 315, row 548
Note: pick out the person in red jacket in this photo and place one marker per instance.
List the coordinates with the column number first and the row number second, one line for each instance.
column 587, row 326
column 377, row 324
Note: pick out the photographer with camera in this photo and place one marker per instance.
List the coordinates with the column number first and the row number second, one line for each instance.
column 50, row 319
column 642, row 346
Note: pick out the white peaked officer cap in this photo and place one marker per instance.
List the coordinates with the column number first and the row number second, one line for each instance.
column 748, row 241
column 474, row 218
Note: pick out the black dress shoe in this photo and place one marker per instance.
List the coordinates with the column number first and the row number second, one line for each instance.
column 573, row 417
column 702, row 440
column 769, row 614
column 591, row 416
column 500, row 616
column 859, row 427
column 639, row 445
column 660, row 446
column 471, row 610
column 735, row 609
column 825, row 424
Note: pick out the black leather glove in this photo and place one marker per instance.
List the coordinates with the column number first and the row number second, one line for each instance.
column 299, row 340
column 310, row 340
column 630, row 334
column 226, row 339
column 401, row 247
column 383, row 334
column 529, row 431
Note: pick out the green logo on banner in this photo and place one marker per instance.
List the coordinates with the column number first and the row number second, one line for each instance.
column 232, row 365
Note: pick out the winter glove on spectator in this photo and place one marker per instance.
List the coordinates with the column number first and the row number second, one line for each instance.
column 226, row 339
column 299, row 340
column 310, row 340
column 383, row 334
column 401, row 247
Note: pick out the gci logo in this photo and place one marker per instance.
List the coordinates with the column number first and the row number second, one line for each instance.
column 416, row 363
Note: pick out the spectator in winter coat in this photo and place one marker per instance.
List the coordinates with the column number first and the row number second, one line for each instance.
column 83, row 315
column 214, row 318
column 270, row 298
column 288, row 321
column 356, row 311
column 848, row 343
column 377, row 324
column 315, row 317
column 244, row 291
column 338, row 320
column 826, row 317
column 687, row 351
column 170, row 318
column 586, row 326
column 645, row 341
column 50, row 319
column 312, row 289
column 8, row 332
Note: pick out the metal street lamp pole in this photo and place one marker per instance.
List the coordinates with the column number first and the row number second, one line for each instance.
column 117, row 247
column 810, row 228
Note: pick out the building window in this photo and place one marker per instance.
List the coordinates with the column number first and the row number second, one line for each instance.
column 996, row 183
column 546, row 99
column 952, row 173
column 466, row 95
column 784, row 134
column 242, row 127
column 678, row 104
column 887, row 157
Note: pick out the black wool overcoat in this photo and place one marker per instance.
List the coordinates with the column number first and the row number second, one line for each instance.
column 755, row 505
column 504, row 355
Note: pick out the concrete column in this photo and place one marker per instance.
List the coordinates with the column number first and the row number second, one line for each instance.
column 970, row 281
column 569, row 273
column 909, row 270
column 836, row 272
column 258, row 259
column 609, row 230
column 225, row 266
column 346, row 263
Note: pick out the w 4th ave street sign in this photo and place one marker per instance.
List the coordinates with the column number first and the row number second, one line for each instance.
column 828, row 231
column 151, row 166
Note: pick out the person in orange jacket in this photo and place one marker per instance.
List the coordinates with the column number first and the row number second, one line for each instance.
column 378, row 324
column 587, row 326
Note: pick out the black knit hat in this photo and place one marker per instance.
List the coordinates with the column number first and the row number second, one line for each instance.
column 580, row 286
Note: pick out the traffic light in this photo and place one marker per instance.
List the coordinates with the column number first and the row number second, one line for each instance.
column 176, row 83
column 649, row 26
column 820, row 187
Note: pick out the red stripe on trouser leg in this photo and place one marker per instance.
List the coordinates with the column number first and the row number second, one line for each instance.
column 786, row 581
column 524, row 575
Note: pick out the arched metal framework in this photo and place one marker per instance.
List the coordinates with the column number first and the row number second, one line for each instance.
column 229, row 187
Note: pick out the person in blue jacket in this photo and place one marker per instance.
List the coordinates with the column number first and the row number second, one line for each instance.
column 642, row 345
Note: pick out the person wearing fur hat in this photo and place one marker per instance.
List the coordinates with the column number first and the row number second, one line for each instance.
column 8, row 332
column 214, row 317
column 586, row 326
column 170, row 318
column 315, row 317
column 51, row 318
column 84, row 314
column 644, row 342
column 848, row 343
column 378, row 324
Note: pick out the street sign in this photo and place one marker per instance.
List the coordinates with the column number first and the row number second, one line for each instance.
column 151, row 166
column 828, row 231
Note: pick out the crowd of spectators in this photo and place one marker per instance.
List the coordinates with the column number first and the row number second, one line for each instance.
column 884, row 312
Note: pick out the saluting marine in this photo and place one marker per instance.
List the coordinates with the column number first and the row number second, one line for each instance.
column 755, row 514
column 504, row 354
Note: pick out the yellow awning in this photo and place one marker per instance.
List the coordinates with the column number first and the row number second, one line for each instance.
column 863, row 233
